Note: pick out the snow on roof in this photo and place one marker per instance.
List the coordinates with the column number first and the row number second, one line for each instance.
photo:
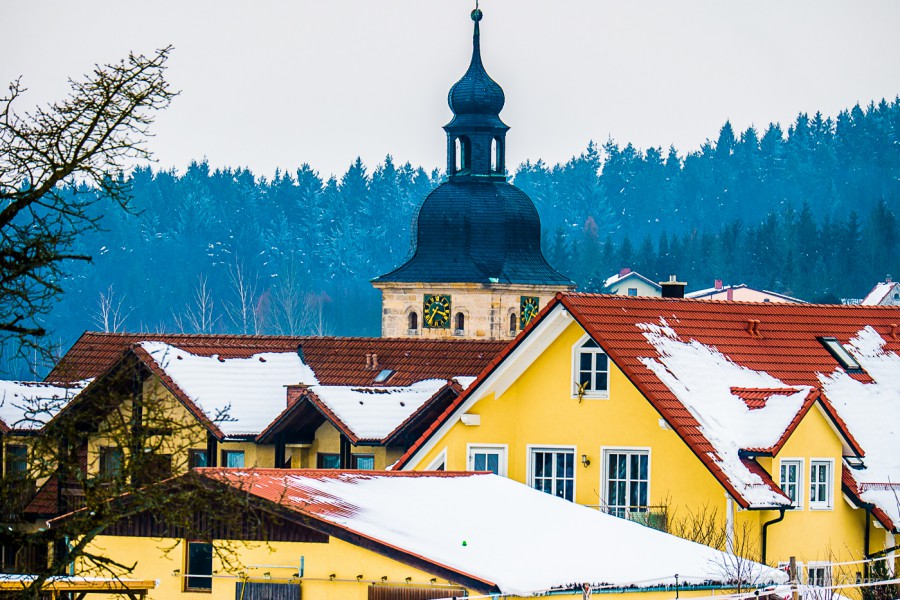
column 711, row 386
column 251, row 391
column 465, row 382
column 620, row 277
column 28, row 405
column 372, row 413
column 519, row 539
column 868, row 409
column 878, row 293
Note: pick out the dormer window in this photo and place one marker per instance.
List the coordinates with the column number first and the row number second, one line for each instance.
column 840, row 354
column 590, row 370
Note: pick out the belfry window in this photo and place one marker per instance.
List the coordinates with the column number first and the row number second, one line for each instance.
column 496, row 155
column 413, row 323
column 512, row 323
column 463, row 152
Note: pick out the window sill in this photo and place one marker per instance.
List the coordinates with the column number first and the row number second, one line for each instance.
column 820, row 507
column 599, row 396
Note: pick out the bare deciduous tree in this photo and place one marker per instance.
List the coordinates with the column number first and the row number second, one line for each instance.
column 200, row 317
column 110, row 316
column 242, row 309
column 90, row 137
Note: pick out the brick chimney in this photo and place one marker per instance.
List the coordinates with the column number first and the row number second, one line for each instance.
column 624, row 271
column 295, row 392
column 887, row 279
column 673, row 288
column 718, row 284
column 729, row 294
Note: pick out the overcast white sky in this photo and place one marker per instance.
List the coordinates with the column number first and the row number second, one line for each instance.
column 269, row 84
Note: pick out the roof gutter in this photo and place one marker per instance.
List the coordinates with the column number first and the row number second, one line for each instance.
column 765, row 531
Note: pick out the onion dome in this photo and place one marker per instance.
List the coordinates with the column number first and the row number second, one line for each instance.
column 476, row 93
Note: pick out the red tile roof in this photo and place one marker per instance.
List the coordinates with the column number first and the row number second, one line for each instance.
column 778, row 338
column 335, row 360
column 853, row 489
column 756, row 398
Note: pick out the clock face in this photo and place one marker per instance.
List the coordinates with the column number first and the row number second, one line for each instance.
column 528, row 309
column 437, row 311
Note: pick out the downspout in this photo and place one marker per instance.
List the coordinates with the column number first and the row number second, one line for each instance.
column 765, row 531
column 866, row 538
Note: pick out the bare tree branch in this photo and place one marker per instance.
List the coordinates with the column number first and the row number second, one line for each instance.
column 56, row 163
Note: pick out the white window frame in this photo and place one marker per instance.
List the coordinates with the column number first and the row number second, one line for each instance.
column 576, row 370
column 815, row 566
column 605, row 451
column 502, row 450
column 532, row 448
column 439, row 460
column 800, row 482
column 828, row 503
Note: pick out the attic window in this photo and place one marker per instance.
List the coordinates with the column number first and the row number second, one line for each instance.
column 383, row 375
column 840, row 354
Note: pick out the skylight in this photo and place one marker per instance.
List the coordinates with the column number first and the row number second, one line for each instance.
column 383, row 375
column 840, row 353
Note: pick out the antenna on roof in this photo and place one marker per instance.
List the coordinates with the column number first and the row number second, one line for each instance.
column 300, row 353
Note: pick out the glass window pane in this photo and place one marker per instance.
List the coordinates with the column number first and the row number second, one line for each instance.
column 585, row 361
column 234, row 459
column 601, row 362
column 199, row 563
column 478, row 462
column 600, row 384
column 493, row 463
column 366, row 463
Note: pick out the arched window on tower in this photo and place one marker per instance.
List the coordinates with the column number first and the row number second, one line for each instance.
column 512, row 323
column 463, row 154
column 459, row 323
column 413, row 323
column 495, row 157
column 497, row 161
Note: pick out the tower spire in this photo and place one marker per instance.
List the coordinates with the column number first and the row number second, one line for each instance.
column 476, row 136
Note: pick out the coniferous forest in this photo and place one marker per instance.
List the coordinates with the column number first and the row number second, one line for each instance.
column 808, row 209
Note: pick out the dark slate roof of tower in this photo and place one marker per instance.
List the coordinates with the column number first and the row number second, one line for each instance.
column 478, row 232
column 476, row 228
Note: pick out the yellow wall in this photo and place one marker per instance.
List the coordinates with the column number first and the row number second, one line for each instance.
column 328, row 441
column 159, row 559
column 835, row 534
column 539, row 409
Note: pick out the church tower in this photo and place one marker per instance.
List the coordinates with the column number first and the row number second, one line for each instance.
column 475, row 269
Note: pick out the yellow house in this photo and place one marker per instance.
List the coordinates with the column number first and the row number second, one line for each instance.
column 400, row 535
column 759, row 428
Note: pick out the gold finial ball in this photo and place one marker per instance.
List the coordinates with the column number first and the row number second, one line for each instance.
column 477, row 14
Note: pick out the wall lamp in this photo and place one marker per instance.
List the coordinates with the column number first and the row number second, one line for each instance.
column 585, row 461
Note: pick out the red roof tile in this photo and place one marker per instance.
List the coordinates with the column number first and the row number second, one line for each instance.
column 335, row 360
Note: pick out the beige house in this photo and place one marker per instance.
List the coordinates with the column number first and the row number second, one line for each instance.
column 740, row 293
